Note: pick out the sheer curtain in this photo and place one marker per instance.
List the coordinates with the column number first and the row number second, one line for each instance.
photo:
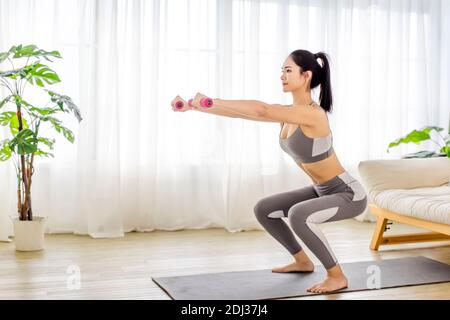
column 137, row 165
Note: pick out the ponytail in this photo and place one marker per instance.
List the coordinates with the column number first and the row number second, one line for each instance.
column 326, row 98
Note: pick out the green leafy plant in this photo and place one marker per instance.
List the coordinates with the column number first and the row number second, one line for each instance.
column 417, row 136
column 26, row 119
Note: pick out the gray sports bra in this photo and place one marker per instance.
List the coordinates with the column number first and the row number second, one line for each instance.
column 305, row 149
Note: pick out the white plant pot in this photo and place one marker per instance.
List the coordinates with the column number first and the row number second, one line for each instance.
column 29, row 235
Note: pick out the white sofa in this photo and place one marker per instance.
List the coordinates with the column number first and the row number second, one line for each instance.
column 411, row 191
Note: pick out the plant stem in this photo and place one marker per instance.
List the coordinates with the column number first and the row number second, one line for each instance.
column 19, row 204
column 28, row 193
column 17, row 89
column 24, row 209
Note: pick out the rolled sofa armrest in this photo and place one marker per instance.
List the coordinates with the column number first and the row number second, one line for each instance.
column 378, row 175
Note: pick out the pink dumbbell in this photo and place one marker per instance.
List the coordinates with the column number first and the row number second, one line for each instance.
column 206, row 102
column 179, row 105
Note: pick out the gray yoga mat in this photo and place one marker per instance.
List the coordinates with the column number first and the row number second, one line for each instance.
column 265, row 284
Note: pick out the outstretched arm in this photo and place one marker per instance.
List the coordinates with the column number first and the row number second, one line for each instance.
column 249, row 108
column 295, row 115
column 245, row 109
column 227, row 113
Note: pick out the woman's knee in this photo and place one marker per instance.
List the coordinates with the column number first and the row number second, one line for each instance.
column 264, row 209
column 260, row 209
column 297, row 215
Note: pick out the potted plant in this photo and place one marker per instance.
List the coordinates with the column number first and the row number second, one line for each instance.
column 24, row 123
column 417, row 136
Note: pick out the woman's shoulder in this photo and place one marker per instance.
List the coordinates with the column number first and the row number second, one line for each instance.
column 320, row 110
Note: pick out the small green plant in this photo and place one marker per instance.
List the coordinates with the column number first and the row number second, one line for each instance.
column 417, row 136
column 26, row 119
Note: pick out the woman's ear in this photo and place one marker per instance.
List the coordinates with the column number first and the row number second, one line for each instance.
column 309, row 72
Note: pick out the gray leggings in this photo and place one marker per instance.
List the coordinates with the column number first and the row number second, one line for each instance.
column 339, row 198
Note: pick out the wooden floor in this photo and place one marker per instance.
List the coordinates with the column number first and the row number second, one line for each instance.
column 121, row 268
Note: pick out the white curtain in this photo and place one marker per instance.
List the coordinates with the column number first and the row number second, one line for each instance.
column 137, row 165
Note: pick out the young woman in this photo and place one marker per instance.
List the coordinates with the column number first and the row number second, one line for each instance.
column 306, row 136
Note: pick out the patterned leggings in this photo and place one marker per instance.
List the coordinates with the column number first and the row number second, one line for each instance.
column 339, row 198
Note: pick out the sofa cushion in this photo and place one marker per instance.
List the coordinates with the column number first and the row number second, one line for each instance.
column 380, row 175
column 429, row 203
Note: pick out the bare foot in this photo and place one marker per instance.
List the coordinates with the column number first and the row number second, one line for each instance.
column 296, row 267
column 331, row 283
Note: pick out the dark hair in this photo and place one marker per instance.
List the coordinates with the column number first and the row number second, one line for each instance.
column 307, row 61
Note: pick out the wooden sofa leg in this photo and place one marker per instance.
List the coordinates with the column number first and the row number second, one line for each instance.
column 378, row 233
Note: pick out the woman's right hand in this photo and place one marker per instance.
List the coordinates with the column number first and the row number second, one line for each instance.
column 185, row 108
